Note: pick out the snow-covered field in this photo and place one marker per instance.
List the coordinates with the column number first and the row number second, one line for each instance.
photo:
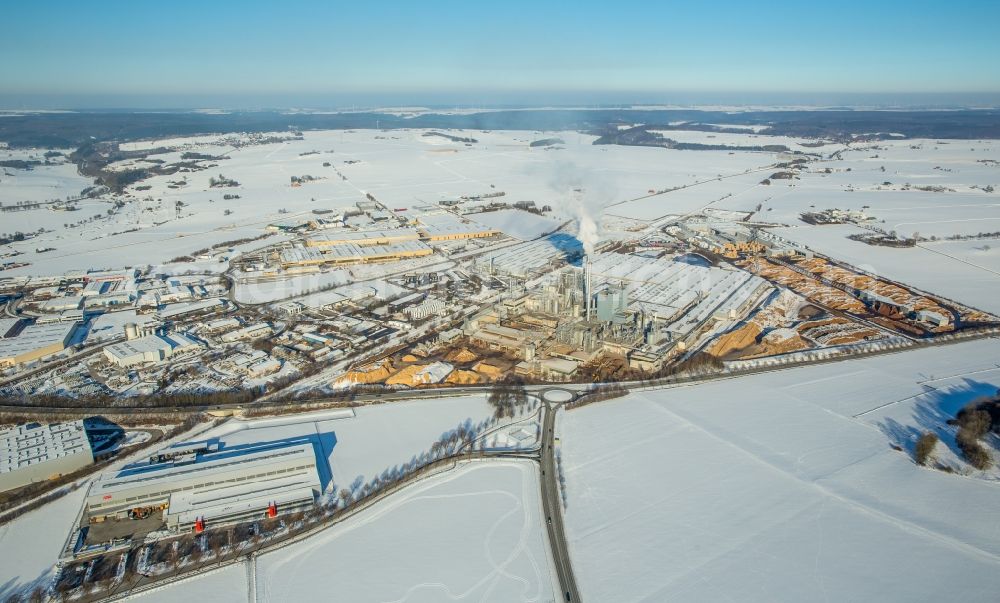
column 402, row 168
column 784, row 487
column 708, row 191
column 473, row 534
column 39, row 184
column 30, row 545
column 226, row 585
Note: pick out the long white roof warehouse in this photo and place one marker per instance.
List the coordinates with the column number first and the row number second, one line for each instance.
column 202, row 480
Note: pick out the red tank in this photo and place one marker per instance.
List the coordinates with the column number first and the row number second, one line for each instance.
column 272, row 510
column 199, row 525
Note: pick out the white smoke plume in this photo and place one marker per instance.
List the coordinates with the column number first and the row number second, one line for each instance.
column 579, row 193
column 588, row 230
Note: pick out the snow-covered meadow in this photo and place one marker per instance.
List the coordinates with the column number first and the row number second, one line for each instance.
column 403, row 169
column 785, row 487
column 474, row 533
column 224, row 585
column 24, row 567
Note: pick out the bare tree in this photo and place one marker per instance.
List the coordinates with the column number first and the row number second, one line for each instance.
column 216, row 547
column 174, row 554
column 924, row 448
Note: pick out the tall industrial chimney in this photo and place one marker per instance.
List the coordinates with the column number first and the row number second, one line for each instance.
column 588, row 285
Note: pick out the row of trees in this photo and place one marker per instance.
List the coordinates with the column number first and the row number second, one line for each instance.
column 507, row 397
column 221, row 182
column 153, row 401
column 599, row 394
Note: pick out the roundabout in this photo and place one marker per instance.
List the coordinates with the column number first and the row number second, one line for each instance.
column 557, row 395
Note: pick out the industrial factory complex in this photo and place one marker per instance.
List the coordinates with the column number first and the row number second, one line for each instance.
column 626, row 306
column 203, row 483
column 442, row 294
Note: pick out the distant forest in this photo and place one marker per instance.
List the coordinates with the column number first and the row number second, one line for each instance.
column 71, row 130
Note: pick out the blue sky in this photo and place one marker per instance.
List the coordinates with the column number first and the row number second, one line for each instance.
column 334, row 53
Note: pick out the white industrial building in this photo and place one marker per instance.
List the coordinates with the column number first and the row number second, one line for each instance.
column 152, row 348
column 172, row 311
column 254, row 331
column 221, row 325
column 34, row 452
column 263, row 368
column 209, row 481
column 429, row 307
column 529, row 259
column 58, row 304
column 33, row 342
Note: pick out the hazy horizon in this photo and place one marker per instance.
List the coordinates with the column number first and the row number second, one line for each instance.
column 497, row 100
